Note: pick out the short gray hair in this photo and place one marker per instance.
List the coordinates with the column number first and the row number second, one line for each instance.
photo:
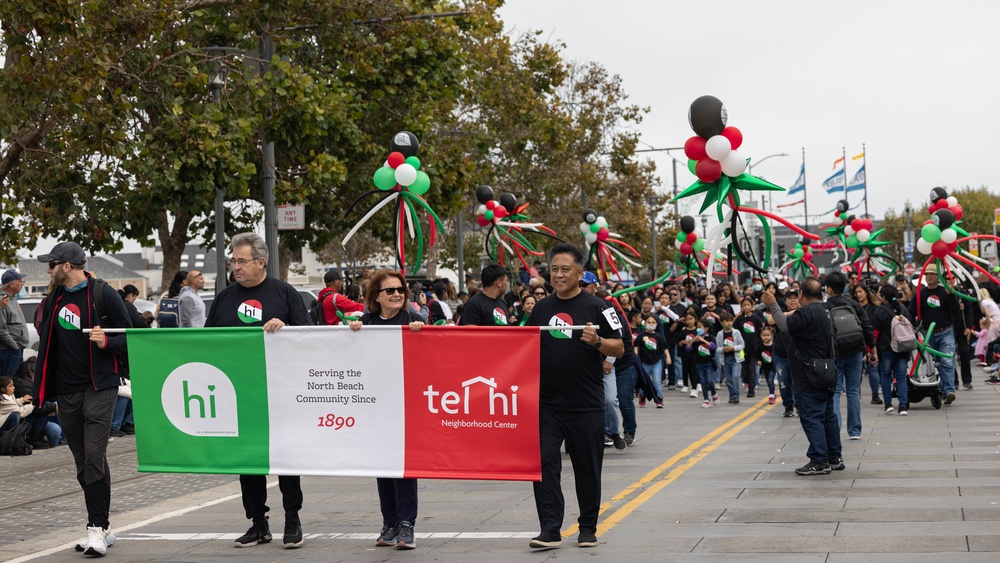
column 258, row 248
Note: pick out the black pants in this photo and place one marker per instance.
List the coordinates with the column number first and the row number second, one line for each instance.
column 583, row 433
column 748, row 371
column 254, row 489
column 86, row 423
column 964, row 357
column 691, row 378
column 398, row 500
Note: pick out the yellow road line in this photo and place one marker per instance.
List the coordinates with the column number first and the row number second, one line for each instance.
column 747, row 417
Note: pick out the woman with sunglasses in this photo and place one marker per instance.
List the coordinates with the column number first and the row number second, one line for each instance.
column 539, row 292
column 386, row 297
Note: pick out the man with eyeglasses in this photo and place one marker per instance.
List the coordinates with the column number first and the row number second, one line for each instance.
column 258, row 300
column 13, row 328
column 80, row 372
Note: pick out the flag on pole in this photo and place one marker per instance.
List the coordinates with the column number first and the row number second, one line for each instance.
column 800, row 184
column 838, row 161
column 380, row 402
column 855, row 157
column 835, row 183
column 857, row 183
column 792, row 204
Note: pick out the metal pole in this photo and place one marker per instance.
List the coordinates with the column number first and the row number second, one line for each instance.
column 460, row 251
column 677, row 213
column 220, row 221
column 267, row 178
column 909, row 234
column 652, row 223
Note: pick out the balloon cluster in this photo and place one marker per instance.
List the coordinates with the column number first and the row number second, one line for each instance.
column 800, row 264
column 858, row 231
column 857, row 234
column 594, row 227
column 938, row 236
column 605, row 246
column 688, row 241
column 507, row 224
column 802, row 251
column 402, row 182
column 712, row 152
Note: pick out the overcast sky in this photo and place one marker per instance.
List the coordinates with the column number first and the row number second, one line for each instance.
column 914, row 80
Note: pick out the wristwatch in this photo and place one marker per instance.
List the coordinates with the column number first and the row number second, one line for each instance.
column 598, row 345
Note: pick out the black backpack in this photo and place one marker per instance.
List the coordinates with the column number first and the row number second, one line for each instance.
column 15, row 441
column 850, row 337
column 316, row 312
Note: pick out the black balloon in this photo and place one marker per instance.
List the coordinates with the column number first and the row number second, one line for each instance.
column 590, row 216
column 707, row 116
column 405, row 142
column 687, row 224
column 938, row 193
column 509, row 202
column 842, row 205
column 851, row 218
column 943, row 218
column 484, row 194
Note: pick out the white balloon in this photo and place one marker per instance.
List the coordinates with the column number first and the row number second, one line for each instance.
column 481, row 209
column 864, row 235
column 848, row 230
column 949, row 236
column 602, row 222
column 923, row 246
column 591, row 238
column 952, row 200
column 734, row 164
column 718, row 147
column 584, row 227
column 406, row 174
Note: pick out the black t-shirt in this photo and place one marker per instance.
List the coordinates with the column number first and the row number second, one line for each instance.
column 402, row 318
column 70, row 344
column 650, row 346
column 766, row 355
column 811, row 332
column 253, row 306
column 482, row 310
column 749, row 327
column 935, row 307
column 684, row 335
column 571, row 372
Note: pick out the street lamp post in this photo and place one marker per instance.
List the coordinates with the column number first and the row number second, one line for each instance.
column 652, row 227
column 704, row 227
column 909, row 234
column 667, row 150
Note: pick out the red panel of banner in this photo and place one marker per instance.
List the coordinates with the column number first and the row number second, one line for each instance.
column 471, row 401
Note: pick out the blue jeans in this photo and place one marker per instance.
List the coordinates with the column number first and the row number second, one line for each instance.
column 655, row 372
column 13, row 419
column 707, row 380
column 849, row 378
column 10, row 360
column 890, row 365
column 731, row 373
column 626, row 377
column 873, row 376
column 784, row 382
column 610, row 404
column 123, row 413
column 673, row 369
column 769, row 377
column 944, row 342
column 677, row 366
column 816, row 414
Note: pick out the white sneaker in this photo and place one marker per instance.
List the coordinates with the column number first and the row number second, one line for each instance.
column 706, row 404
column 97, row 543
column 684, row 389
column 109, row 540
column 694, row 394
column 889, row 410
column 902, row 413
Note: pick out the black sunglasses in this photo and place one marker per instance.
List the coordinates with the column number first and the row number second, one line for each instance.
column 54, row 263
column 539, row 293
column 391, row 290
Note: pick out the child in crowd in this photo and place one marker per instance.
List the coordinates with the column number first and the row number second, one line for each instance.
column 653, row 354
column 730, row 344
column 982, row 339
column 12, row 409
column 703, row 348
column 766, row 362
column 686, row 353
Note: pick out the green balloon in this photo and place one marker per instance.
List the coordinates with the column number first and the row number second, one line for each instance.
column 799, row 253
column 413, row 161
column 385, row 178
column 488, row 214
column 798, row 245
column 699, row 245
column 594, row 228
column 931, row 233
column 852, row 241
column 421, row 184
column 692, row 164
column 682, row 236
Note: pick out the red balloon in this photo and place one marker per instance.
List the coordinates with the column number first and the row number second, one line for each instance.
column 857, row 224
column 807, row 256
column 734, row 135
column 491, row 204
column 694, row 148
column 708, row 170
column 482, row 220
column 499, row 212
column 686, row 249
column 395, row 159
column 929, row 222
column 691, row 237
column 940, row 249
column 603, row 234
column 956, row 210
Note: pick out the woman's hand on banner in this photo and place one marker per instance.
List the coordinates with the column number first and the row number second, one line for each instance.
column 273, row 325
column 354, row 325
column 415, row 326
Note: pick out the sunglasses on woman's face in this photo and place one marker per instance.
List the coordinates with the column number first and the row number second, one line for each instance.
column 391, row 290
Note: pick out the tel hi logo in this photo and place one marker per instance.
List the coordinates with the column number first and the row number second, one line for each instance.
column 199, row 399
column 69, row 317
column 251, row 311
column 561, row 320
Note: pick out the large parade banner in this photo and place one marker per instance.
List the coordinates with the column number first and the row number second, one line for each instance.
column 444, row 402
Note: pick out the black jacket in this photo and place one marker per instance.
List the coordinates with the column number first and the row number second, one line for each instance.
column 104, row 365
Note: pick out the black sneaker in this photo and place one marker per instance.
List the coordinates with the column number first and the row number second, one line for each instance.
column 405, row 538
column 587, row 538
column 128, row 429
column 751, row 394
column 387, row 536
column 876, row 400
column 608, row 441
column 814, row 468
column 292, row 537
column 546, row 540
column 116, row 433
column 257, row 534
column 620, row 443
column 789, row 413
column 949, row 398
column 734, row 401
column 629, row 438
column 837, row 463
column 967, row 387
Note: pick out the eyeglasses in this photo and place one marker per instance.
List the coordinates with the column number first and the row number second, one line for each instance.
column 672, row 294
column 392, row 290
column 542, row 293
column 54, row 263
column 243, row 261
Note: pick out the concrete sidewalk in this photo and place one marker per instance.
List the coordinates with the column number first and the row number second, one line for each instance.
column 925, row 487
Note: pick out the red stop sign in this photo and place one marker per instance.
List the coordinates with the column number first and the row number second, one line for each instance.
column 910, row 269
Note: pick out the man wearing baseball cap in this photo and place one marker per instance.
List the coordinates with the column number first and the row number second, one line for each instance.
column 938, row 305
column 588, row 282
column 13, row 330
column 79, row 371
column 337, row 301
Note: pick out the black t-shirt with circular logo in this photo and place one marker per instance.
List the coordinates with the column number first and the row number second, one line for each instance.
column 253, row 306
column 571, row 371
column 482, row 310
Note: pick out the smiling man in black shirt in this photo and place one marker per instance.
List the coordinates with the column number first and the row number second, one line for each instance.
column 938, row 305
column 571, row 395
column 487, row 308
